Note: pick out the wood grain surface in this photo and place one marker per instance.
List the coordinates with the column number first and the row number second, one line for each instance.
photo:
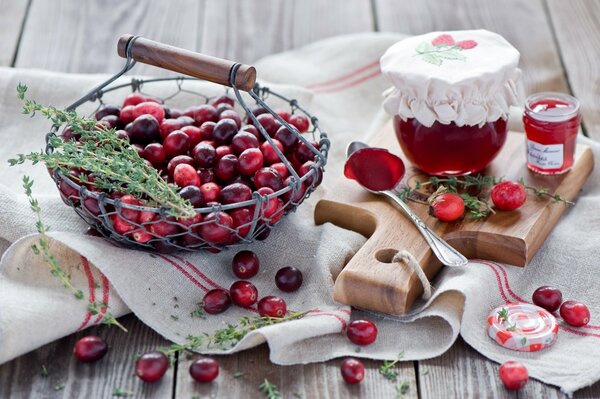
column 76, row 36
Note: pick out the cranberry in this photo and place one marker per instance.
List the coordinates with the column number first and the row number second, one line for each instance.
column 89, row 349
column 217, row 227
column 252, row 130
column 250, row 161
column 304, row 153
column 281, row 169
column 169, row 125
column 127, row 114
column 548, row 298
column 231, row 114
column 575, row 313
column 186, row 120
column 315, row 176
column 178, row 160
column 256, row 111
column 242, row 221
column 242, row 141
column 176, row 143
column 447, row 207
column 235, row 192
column 269, row 205
column 288, row 279
column 224, row 99
column 268, row 177
column 91, row 205
column 272, row 306
column 224, row 131
column 243, row 293
column 107, row 110
column 513, row 374
column 287, row 138
column 206, row 175
column 150, row 108
column 144, row 129
column 508, row 195
column 120, row 225
column 352, row 370
column 204, row 370
column 223, row 107
column 133, row 99
column 300, row 122
column 223, row 150
column 268, row 122
column 196, row 219
column 141, row 236
column 194, row 134
column 264, row 234
column 210, row 191
column 227, row 168
column 283, row 114
column 186, row 175
column 68, row 134
column 216, row 301
column 192, row 194
column 173, row 112
column 131, row 215
column 362, row 332
column 205, row 155
column 269, row 152
column 112, row 121
column 245, row 264
column 204, row 113
column 165, row 228
column 155, row 153
column 151, row 366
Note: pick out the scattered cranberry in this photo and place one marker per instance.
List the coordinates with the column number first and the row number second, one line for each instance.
column 508, row 195
column 245, row 264
column 352, row 370
column 90, row 349
column 216, row 301
column 300, row 122
column 547, row 297
column 185, row 175
column 243, row 293
column 447, row 207
column 575, row 313
column 204, row 370
column 288, row 279
column 513, row 374
column 272, row 306
column 362, row 332
column 151, row 366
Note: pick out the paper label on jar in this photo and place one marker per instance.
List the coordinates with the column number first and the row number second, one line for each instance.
column 545, row 156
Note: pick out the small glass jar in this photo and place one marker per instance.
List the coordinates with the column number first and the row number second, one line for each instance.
column 551, row 125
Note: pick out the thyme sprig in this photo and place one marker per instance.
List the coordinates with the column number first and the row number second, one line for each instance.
column 269, row 390
column 113, row 163
column 42, row 249
column 387, row 368
column 402, row 388
column 477, row 208
column 542, row 192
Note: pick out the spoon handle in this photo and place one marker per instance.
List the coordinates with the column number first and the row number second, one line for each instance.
column 441, row 249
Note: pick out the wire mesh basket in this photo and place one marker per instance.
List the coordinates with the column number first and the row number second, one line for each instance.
column 222, row 222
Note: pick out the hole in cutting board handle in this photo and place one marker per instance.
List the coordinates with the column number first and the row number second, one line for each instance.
column 385, row 255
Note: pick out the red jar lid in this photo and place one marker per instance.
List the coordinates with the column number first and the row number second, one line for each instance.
column 522, row 327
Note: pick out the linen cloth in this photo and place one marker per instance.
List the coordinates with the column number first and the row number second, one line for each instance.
column 338, row 79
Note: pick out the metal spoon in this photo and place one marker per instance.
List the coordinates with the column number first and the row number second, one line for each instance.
column 441, row 249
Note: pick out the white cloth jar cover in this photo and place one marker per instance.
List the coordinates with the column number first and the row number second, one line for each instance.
column 466, row 77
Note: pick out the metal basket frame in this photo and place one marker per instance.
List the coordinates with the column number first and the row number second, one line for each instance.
column 259, row 227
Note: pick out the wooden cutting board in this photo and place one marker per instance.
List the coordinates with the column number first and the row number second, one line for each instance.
column 370, row 281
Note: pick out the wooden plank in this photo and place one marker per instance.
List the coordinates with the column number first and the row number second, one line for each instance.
column 463, row 373
column 67, row 378
column 523, row 23
column 241, row 374
column 81, row 36
column 248, row 30
column 578, row 34
column 12, row 18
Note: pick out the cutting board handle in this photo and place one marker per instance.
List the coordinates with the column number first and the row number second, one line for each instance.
column 190, row 63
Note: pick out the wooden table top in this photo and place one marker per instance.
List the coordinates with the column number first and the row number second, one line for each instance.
column 558, row 41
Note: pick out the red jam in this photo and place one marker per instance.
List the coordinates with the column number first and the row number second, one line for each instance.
column 376, row 169
column 450, row 150
column 551, row 125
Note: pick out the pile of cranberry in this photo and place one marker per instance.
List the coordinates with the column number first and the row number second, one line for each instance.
column 215, row 159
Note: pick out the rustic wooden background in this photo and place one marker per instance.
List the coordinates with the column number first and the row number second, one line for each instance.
column 559, row 43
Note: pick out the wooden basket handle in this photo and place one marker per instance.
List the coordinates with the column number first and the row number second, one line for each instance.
column 198, row 65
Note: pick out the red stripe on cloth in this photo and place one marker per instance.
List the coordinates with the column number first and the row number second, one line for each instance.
column 197, row 271
column 322, row 313
column 498, row 281
column 184, row 272
column 349, row 84
column 345, row 76
column 105, row 296
column 91, row 291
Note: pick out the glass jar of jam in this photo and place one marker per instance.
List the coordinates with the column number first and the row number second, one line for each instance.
column 551, row 125
column 450, row 98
